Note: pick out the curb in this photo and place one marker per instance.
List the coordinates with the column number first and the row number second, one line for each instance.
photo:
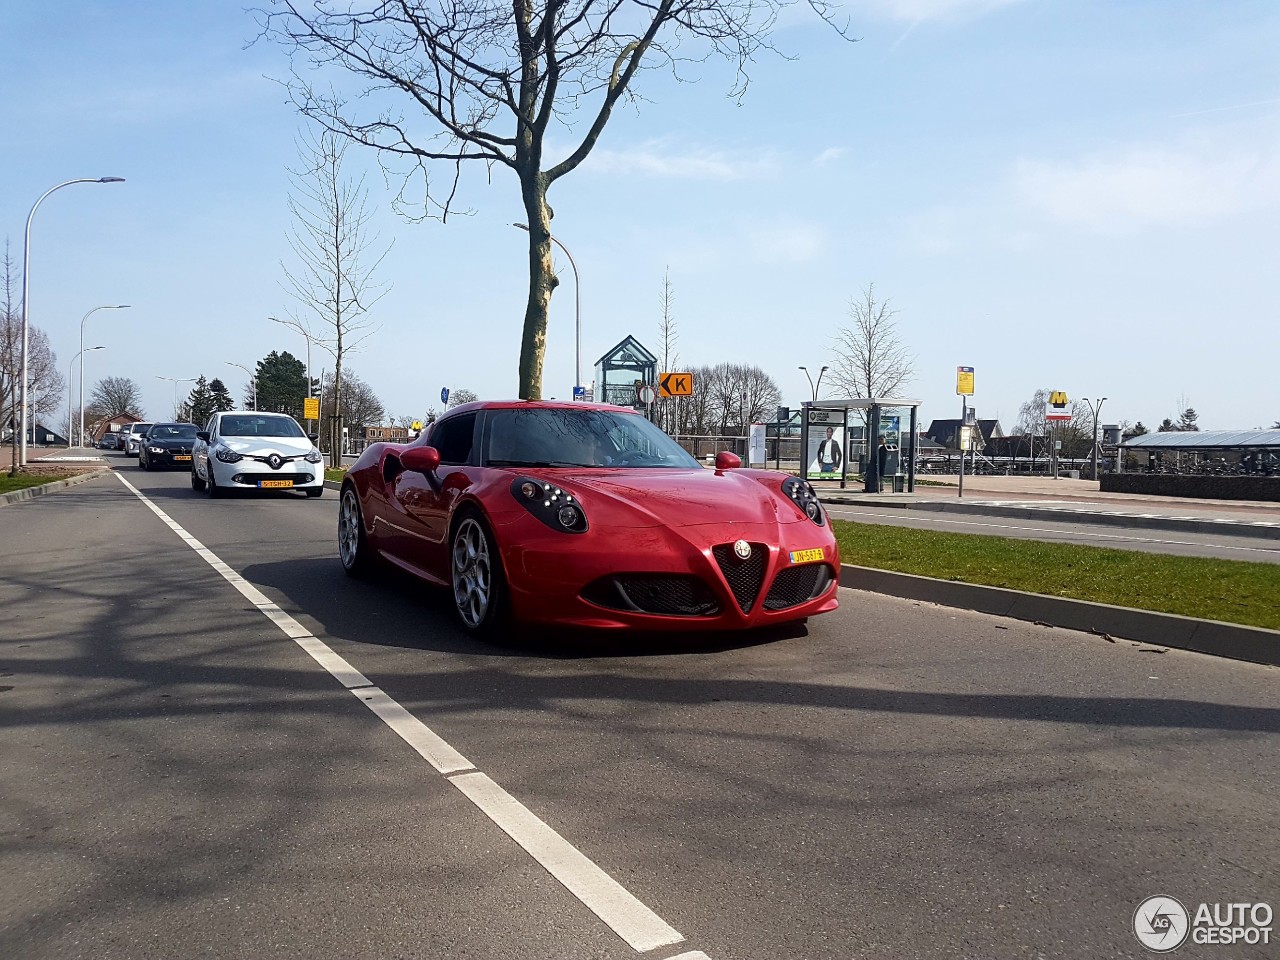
column 1106, row 519
column 30, row 493
column 1213, row 637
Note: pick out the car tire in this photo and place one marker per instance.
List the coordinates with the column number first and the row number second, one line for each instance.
column 354, row 551
column 475, row 572
column 215, row 491
column 196, row 483
column 314, row 492
column 142, row 463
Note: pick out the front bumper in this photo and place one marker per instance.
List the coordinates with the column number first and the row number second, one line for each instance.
column 250, row 475
column 170, row 458
column 666, row 580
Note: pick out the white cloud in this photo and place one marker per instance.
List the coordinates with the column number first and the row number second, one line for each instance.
column 1144, row 186
column 829, row 156
column 658, row 158
column 917, row 11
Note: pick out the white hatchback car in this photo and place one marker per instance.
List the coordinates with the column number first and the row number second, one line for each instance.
column 252, row 450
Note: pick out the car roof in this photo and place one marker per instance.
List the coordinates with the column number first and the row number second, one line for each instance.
column 540, row 405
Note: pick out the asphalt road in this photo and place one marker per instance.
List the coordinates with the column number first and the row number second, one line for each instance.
column 894, row 781
column 1190, row 543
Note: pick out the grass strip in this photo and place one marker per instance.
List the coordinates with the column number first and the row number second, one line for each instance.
column 335, row 475
column 1230, row 590
column 25, row 479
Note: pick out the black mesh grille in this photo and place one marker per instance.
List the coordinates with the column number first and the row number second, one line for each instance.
column 665, row 594
column 795, row 585
column 744, row 576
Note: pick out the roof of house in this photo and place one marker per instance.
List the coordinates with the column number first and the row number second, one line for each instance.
column 1206, row 440
column 944, row 431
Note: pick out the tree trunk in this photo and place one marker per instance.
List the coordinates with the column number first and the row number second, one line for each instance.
column 542, row 281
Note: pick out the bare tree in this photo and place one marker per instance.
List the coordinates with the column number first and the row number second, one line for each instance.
column 10, row 361
column 114, row 396
column 870, row 359
column 667, row 337
column 489, row 77
column 360, row 405
column 333, row 279
column 461, row 396
column 730, row 397
column 1033, row 423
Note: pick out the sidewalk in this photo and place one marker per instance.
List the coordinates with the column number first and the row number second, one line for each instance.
column 1072, row 500
column 44, row 457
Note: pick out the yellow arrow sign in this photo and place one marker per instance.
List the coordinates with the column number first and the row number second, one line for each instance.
column 676, row 385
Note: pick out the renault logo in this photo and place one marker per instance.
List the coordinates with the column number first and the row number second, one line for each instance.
column 742, row 549
column 275, row 461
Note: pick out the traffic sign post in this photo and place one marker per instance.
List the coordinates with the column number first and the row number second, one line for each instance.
column 444, row 395
column 580, row 394
column 676, row 384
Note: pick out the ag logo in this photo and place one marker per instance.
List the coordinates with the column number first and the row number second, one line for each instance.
column 1161, row 924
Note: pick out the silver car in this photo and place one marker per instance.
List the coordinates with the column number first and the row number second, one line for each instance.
column 252, row 450
column 133, row 438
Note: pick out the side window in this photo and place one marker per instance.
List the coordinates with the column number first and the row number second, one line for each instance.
column 452, row 437
column 212, row 426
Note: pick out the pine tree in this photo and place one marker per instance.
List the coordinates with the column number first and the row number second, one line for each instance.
column 200, row 402
column 1187, row 421
column 282, row 383
column 221, row 395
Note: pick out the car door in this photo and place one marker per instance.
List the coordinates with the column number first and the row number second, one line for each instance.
column 423, row 510
column 200, row 450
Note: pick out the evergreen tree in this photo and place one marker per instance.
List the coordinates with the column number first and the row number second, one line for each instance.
column 200, row 402
column 221, row 395
column 1187, row 421
column 282, row 383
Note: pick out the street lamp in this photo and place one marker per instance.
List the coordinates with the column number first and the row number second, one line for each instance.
column 121, row 306
column 306, row 332
column 70, row 367
column 26, row 298
column 176, row 381
column 812, row 385
column 577, row 308
column 252, row 380
column 1097, row 412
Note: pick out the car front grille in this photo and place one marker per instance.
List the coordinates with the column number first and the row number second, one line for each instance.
column 665, row 594
column 743, row 575
column 796, row 585
column 254, row 478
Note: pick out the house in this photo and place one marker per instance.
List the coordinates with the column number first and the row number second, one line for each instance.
column 385, row 434
column 100, row 428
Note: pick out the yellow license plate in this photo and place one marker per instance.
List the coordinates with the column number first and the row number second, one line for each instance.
column 181, row 457
column 806, row 556
column 280, row 483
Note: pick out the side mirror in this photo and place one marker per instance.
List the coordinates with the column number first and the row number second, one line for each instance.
column 203, row 435
column 421, row 459
column 727, row 461
column 313, row 437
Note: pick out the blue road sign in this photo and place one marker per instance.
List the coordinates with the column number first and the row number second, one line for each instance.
column 444, row 394
column 579, row 393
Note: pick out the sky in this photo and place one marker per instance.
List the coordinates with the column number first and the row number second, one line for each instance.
column 1062, row 194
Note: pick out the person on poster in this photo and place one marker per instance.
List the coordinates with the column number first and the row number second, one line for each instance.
column 829, row 455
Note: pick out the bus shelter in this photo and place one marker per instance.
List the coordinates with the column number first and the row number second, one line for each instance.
column 840, row 438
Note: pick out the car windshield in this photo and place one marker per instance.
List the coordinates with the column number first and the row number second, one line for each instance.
column 250, row 425
column 560, row 437
column 139, row 428
column 172, row 431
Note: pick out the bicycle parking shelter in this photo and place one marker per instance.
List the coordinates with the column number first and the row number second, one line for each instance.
column 883, row 417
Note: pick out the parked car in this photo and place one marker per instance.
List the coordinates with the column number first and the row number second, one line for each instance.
column 587, row 515
column 167, row 445
column 110, row 441
column 132, row 436
column 250, row 450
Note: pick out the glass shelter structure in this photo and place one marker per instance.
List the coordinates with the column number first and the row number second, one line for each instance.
column 873, row 436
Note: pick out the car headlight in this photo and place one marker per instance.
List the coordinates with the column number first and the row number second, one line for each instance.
column 155, row 449
column 227, row 455
column 313, row 456
column 554, row 506
column 801, row 493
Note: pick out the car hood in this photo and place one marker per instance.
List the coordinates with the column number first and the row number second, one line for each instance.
column 663, row 497
column 173, row 443
column 255, row 446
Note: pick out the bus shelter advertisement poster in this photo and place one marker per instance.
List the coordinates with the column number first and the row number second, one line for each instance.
column 826, row 450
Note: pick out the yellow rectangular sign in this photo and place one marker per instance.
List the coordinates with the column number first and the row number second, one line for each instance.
column 964, row 381
column 311, row 408
column 675, row 384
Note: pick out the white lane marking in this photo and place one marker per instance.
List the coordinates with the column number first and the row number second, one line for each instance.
column 691, row 955
column 605, row 897
column 1072, row 533
column 621, row 911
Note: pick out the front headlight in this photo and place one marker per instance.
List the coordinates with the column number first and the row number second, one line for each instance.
column 227, row 455
column 313, row 456
column 155, row 449
column 555, row 507
column 801, row 493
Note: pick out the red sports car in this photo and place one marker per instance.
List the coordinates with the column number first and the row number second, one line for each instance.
column 587, row 515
